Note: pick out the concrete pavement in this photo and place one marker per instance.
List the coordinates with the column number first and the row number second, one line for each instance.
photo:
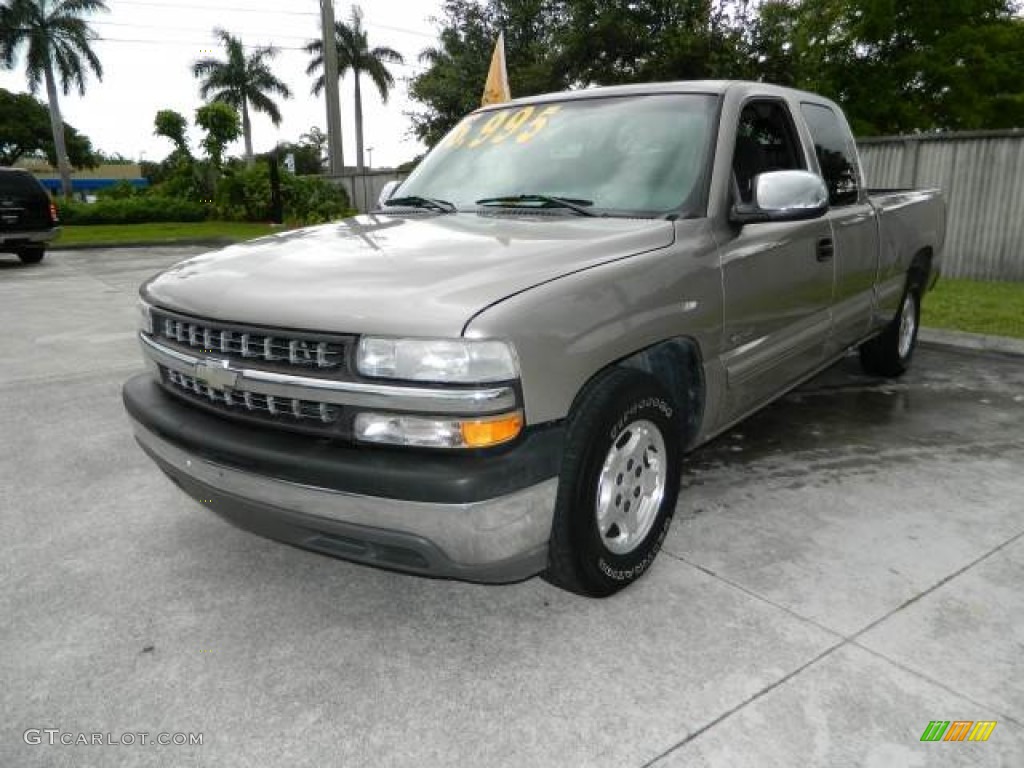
column 845, row 567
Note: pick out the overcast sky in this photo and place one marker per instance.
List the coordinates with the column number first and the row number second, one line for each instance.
column 148, row 47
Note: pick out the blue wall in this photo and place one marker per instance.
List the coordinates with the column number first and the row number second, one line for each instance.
column 91, row 185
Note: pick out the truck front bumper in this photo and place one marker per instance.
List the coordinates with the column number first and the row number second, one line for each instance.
column 480, row 518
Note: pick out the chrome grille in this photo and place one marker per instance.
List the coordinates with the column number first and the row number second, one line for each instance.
column 310, row 414
column 282, row 348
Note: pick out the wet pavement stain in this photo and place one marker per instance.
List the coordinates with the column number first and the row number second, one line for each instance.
column 843, row 422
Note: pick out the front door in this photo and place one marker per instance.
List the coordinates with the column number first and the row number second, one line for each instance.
column 777, row 278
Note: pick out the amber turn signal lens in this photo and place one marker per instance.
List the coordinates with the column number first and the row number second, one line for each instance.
column 481, row 434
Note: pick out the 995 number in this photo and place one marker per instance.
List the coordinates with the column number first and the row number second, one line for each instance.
column 521, row 125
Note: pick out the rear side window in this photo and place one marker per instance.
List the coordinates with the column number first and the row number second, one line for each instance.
column 836, row 154
column 20, row 185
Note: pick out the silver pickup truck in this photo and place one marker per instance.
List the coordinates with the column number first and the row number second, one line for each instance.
column 498, row 373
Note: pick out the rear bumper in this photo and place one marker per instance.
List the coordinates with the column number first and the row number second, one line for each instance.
column 451, row 525
column 35, row 237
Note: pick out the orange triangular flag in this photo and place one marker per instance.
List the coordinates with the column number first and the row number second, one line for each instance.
column 496, row 89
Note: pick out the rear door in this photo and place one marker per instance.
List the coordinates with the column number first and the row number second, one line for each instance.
column 853, row 224
column 777, row 289
column 24, row 203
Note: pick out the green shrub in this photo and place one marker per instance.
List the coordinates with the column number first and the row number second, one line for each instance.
column 313, row 200
column 182, row 177
column 119, row 191
column 244, row 194
column 132, row 210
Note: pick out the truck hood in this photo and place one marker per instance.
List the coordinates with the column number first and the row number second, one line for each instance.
column 412, row 275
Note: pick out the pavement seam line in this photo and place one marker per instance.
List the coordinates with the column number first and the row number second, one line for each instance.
column 941, row 582
column 938, row 684
column 749, row 700
column 80, row 271
column 766, row 689
column 755, row 595
column 851, row 640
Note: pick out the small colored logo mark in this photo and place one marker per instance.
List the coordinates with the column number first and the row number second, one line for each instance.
column 958, row 730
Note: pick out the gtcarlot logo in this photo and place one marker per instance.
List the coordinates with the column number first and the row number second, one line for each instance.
column 55, row 736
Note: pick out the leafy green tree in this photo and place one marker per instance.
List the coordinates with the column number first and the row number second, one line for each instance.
column 112, row 158
column 57, row 40
column 410, row 165
column 608, row 41
column 220, row 121
column 173, row 125
column 897, row 67
column 25, row 130
column 308, row 160
column 457, row 68
column 552, row 45
column 355, row 55
column 78, row 147
column 242, row 81
column 894, row 65
column 317, row 139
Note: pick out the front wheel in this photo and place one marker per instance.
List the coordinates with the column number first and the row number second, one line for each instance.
column 889, row 353
column 618, row 487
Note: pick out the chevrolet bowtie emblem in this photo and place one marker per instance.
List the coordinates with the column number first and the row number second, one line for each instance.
column 217, row 374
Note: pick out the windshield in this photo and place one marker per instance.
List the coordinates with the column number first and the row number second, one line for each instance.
column 637, row 155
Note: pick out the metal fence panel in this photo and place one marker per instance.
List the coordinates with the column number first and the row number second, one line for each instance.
column 982, row 177
column 364, row 190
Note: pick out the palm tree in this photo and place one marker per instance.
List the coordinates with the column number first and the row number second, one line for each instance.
column 355, row 54
column 242, row 82
column 58, row 41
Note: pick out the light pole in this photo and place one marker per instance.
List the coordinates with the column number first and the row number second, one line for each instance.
column 369, row 158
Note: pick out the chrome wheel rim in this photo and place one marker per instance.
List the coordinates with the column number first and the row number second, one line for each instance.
column 631, row 487
column 908, row 325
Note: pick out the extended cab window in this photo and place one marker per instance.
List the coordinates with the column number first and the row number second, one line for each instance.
column 765, row 141
column 836, row 154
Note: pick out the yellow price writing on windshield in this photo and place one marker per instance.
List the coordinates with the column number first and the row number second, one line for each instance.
column 461, row 132
column 522, row 124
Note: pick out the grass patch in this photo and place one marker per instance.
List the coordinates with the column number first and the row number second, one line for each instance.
column 161, row 233
column 976, row 307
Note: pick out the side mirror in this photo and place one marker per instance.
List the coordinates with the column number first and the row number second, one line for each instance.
column 386, row 193
column 783, row 196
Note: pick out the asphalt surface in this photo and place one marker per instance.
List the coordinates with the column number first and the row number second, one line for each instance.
column 845, row 567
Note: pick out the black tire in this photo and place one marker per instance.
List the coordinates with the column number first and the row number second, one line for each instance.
column 31, row 255
column 889, row 353
column 621, row 408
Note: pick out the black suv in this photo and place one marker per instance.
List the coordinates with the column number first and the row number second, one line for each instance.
column 28, row 218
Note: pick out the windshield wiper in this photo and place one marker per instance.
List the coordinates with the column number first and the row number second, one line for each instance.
column 550, row 201
column 416, row 201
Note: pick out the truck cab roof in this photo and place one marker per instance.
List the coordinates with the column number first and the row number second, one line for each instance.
column 712, row 87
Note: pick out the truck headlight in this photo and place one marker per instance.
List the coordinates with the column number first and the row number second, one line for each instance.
column 145, row 320
column 450, row 361
column 431, row 432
